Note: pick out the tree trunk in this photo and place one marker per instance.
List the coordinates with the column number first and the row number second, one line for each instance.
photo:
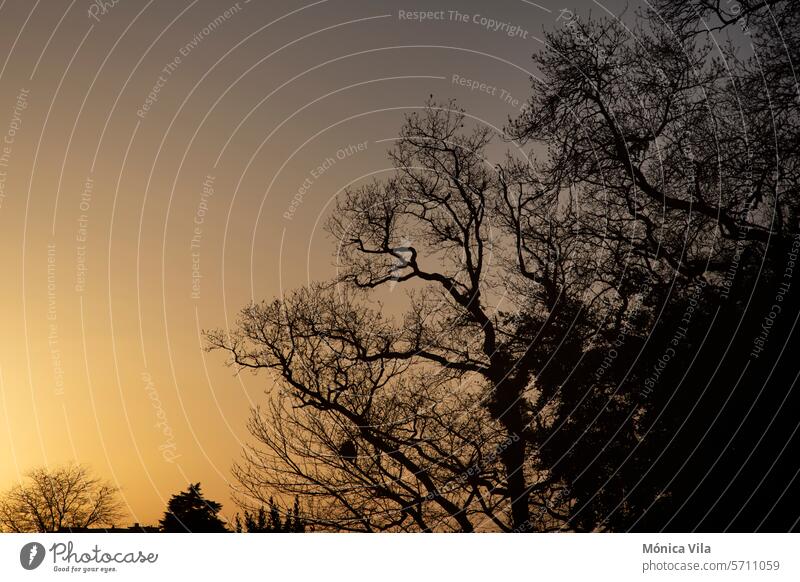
column 506, row 407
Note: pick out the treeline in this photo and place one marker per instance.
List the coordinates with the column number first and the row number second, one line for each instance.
column 71, row 499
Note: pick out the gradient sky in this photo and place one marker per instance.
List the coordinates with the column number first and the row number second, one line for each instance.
column 100, row 356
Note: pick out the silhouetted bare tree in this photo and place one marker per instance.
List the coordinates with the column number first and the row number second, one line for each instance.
column 416, row 458
column 56, row 499
column 516, row 392
column 683, row 169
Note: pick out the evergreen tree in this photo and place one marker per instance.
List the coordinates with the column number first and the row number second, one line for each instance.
column 189, row 511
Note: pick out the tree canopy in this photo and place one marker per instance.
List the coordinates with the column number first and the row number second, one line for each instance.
column 60, row 498
column 569, row 309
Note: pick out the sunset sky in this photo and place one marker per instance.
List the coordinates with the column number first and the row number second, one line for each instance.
column 164, row 163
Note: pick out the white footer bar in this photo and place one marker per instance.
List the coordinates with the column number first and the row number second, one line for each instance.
column 401, row 557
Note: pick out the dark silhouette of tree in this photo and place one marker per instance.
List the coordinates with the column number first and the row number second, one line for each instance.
column 189, row 511
column 581, row 322
column 271, row 520
column 383, row 487
column 686, row 169
column 61, row 498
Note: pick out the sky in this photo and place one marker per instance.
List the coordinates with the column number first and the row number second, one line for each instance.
column 164, row 163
